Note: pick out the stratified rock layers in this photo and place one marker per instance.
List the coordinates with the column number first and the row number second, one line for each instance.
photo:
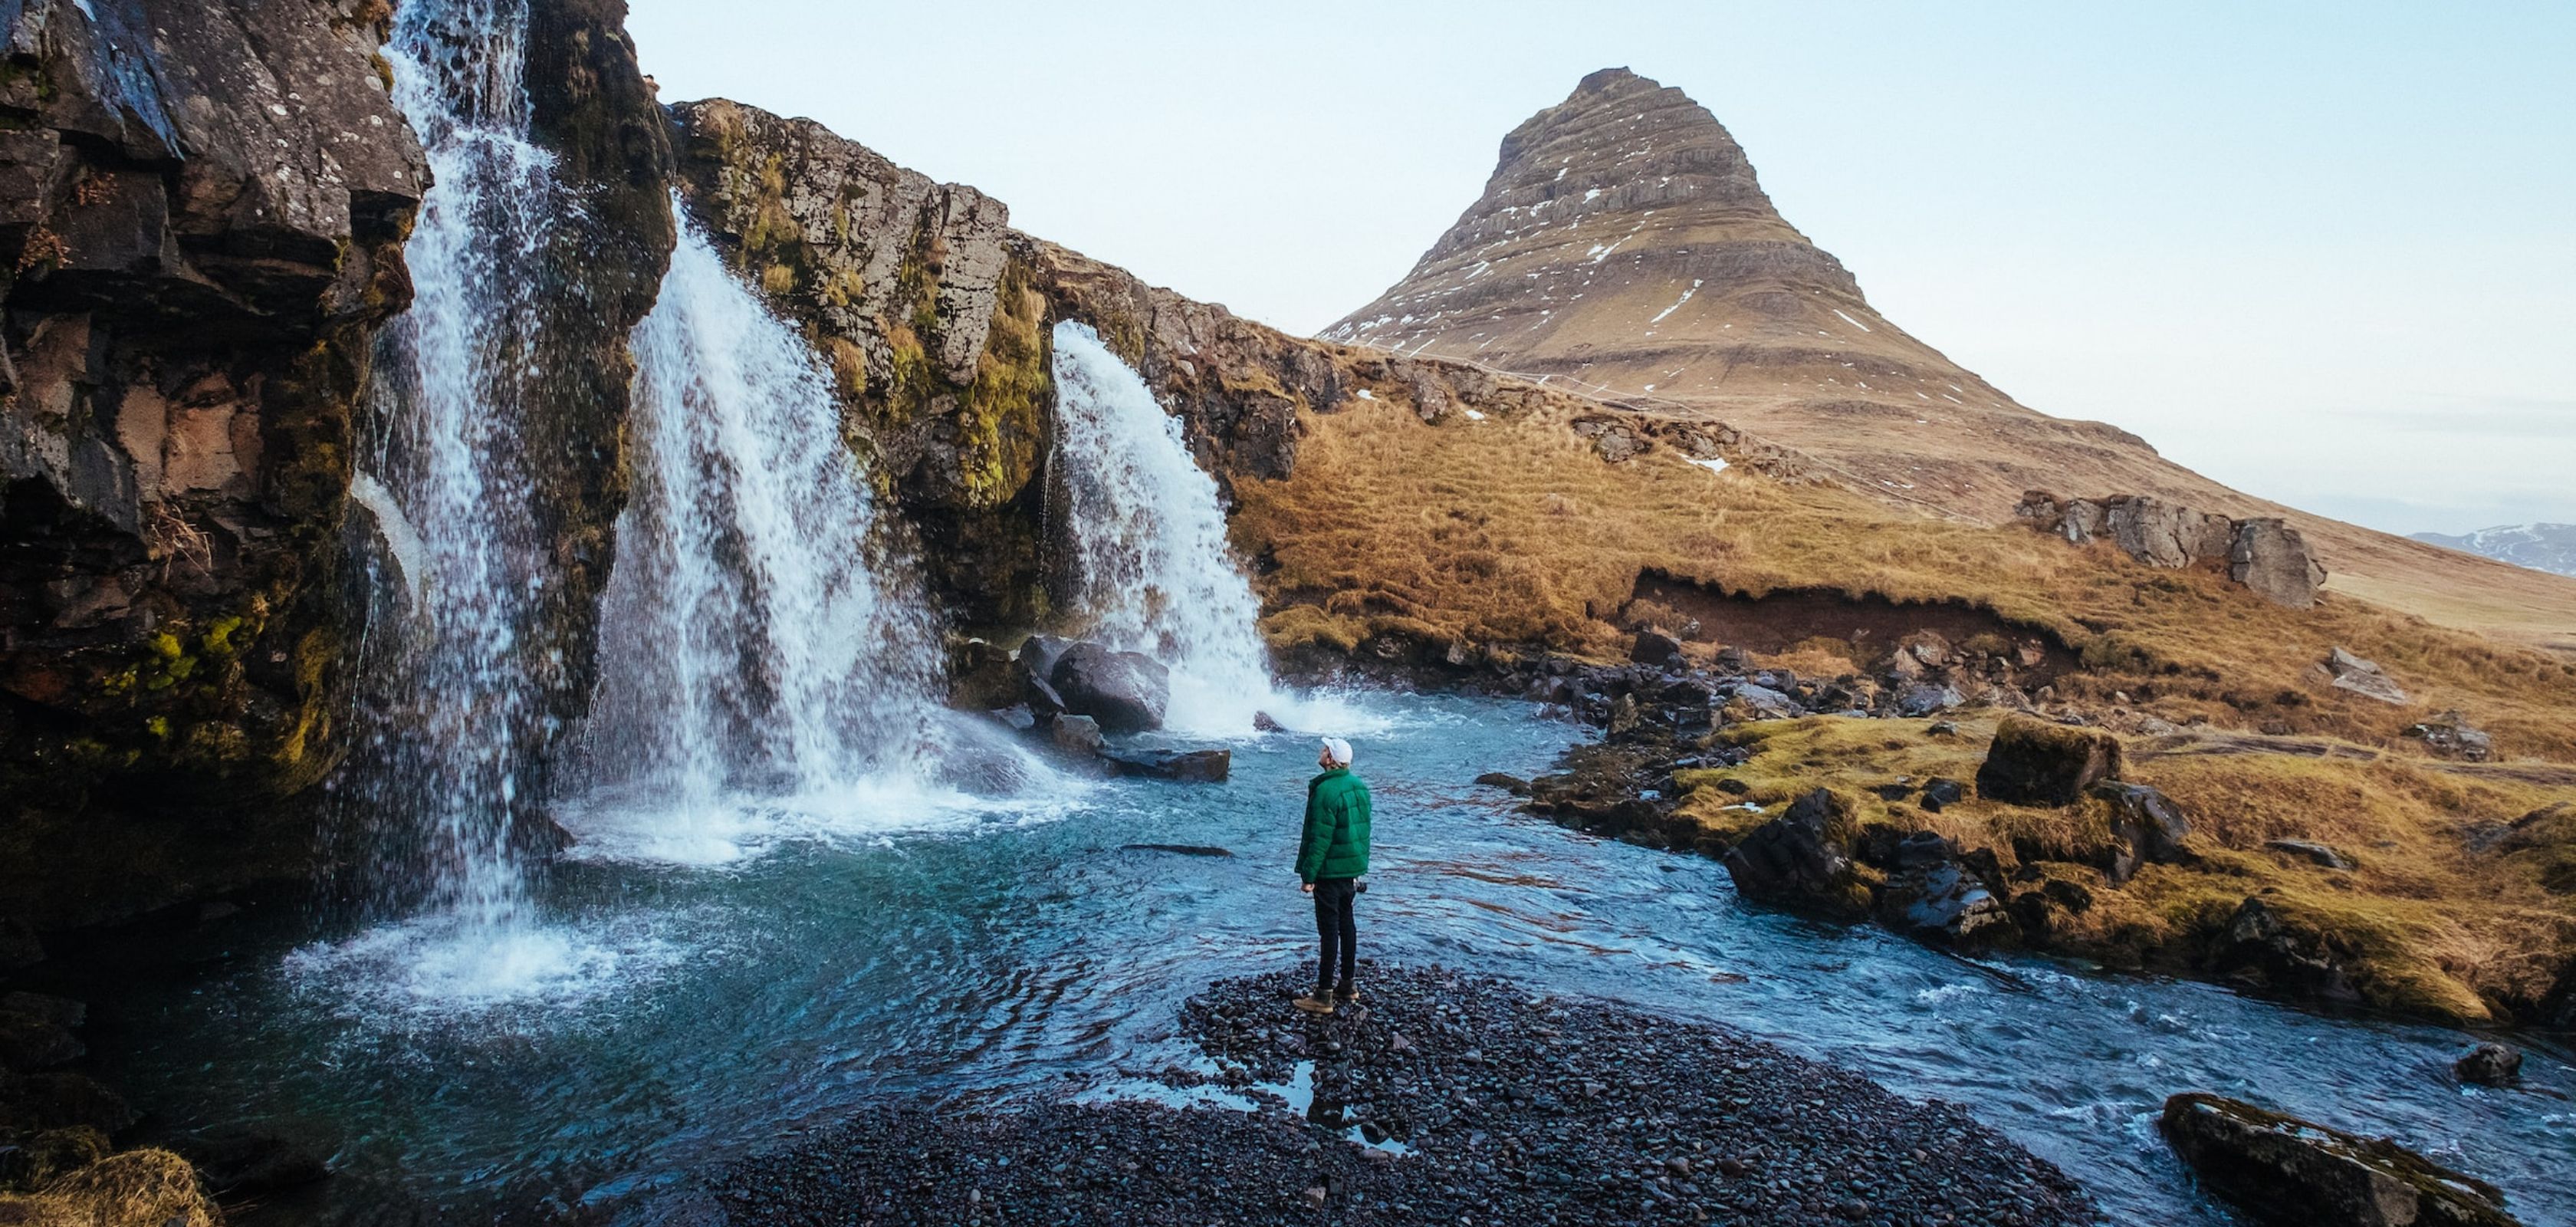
column 202, row 208
column 202, row 215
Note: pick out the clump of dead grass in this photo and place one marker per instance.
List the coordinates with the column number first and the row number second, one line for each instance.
column 139, row 1188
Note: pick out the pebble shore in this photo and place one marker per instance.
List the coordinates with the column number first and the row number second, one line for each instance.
column 1442, row 1098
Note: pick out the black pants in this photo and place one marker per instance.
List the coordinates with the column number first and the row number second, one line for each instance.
column 1333, row 898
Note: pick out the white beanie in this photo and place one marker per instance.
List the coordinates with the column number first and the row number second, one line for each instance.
column 1339, row 749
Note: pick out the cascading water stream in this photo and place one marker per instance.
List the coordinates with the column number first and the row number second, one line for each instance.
column 1152, row 572
column 457, row 687
column 766, row 656
column 456, row 700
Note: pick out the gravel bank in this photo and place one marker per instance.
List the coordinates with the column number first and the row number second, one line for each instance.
column 1490, row 1104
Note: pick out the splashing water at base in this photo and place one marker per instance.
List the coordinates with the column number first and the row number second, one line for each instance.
column 770, row 668
column 1152, row 570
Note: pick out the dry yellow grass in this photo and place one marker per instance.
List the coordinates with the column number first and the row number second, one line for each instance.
column 1516, row 533
column 139, row 1188
column 2437, row 927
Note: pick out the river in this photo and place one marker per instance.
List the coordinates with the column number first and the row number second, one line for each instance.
column 722, row 991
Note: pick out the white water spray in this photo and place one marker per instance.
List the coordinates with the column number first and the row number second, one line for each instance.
column 458, row 705
column 1153, row 572
column 769, row 664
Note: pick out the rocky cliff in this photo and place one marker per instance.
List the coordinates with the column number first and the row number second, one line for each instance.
column 935, row 318
column 202, row 214
column 202, row 209
column 1624, row 247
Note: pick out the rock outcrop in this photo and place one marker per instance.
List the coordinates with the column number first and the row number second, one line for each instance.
column 2035, row 762
column 202, row 210
column 932, row 330
column 1802, row 860
column 1125, row 691
column 205, row 210
column 2296, row 1173
column 2264, row 554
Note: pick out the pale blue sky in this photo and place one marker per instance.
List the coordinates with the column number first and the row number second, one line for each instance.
column 2323, row 252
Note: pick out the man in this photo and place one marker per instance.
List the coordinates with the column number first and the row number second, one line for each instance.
column 1330, row 860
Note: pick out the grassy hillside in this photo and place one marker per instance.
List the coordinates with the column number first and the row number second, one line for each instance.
column 1513, row 530
column 2450, row 910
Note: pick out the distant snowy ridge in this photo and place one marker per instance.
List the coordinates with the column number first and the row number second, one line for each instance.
column 2541, row 547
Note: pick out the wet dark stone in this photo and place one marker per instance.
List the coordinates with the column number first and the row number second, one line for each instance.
column 2286, row 1172
column 1188, row 766
column 2489, row 1064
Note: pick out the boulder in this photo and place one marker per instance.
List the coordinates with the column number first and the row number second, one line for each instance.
column 1125, row 691
column 2270, row 557
column 1758, row 702
column 2362, row 677
column 30, row 1160
column 981, row 676
column 1932, row 891
column 1653, row 647
column 2323, row 855
column 2489, row 1064
column 2451, row 736
column 60, row 1099
column 2146, row 828
column 2034, row 762
column 1512, row 784
column 1080, row 734
column 19, row 946
column 2281, row 1170
column 30, row 1042
column 2284, row 953
column 1802, row 860
column 1920, row 701
column 1939, row 791
column 1188, row 766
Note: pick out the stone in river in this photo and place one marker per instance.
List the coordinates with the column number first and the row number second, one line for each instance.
column 1190, row 766
column 2489, row 1064
column 2286, row 1172
column 1080, row 734
column 1125, row 691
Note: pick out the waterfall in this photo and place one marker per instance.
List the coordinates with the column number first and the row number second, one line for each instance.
column 447, row 775
column 1151, row 569
column 440, row 796
column 766, row 654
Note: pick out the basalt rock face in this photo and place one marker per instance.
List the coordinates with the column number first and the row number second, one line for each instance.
column 202, row 210
column 590, row 106
column 932, row 330
column 2264, row 554
column 936, row 320
column 202, row 216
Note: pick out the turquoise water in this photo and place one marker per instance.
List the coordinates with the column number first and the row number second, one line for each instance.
column 697, row 999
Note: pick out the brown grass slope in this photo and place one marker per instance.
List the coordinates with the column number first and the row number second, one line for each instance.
column 2449, row 912
column 1624, row 248
column 1513, row 530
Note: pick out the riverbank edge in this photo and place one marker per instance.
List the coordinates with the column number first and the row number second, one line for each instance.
column 1441, row 1096
column 1623, row 786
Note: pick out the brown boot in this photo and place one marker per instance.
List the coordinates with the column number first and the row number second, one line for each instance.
column 1314, row 1005
column 1348, row 994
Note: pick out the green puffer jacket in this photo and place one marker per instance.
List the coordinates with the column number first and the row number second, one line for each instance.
column 1337, row 827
